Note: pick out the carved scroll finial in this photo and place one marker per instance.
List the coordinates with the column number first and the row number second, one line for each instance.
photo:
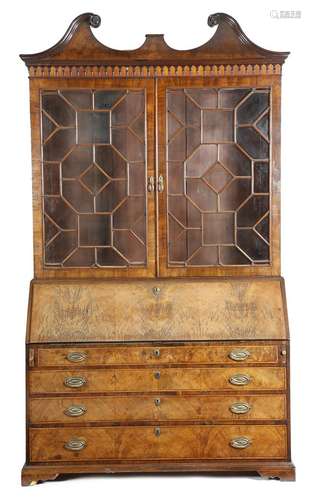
column 219, row 17
column 95, row 20
column 213, row 20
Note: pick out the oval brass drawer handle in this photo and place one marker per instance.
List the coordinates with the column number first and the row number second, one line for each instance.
column 239, row 355
column 75, row 444
column 239, row 408
column 76, row 357
column 239, row 379
column 240, row 442
column 75, row 411
column 74, row 382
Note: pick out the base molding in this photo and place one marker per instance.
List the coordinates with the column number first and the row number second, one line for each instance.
column 284, row 471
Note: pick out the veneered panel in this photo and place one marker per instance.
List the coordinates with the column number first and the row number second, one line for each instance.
column 180, row 442
column 193, row 310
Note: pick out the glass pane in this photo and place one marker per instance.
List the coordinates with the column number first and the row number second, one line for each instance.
column 218, row 193
column 94, row 178
column 51, row 178
column 81, row 257
column 93, row 127
column 105, row 99
column 217, row 126
column 229, row 98
column 252, row 107
column 78, row 99
column 94, row 230
column 261, row 177
column 253, row 143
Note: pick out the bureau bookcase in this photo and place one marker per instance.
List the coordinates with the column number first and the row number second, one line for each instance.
column 157, row 334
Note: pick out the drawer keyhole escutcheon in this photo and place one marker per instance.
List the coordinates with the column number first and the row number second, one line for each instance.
column 76, row 357
column 156, row 291
column 240, row 379
column 157, row 431
column 239, row 355
column 157, row 401
column 74, row 382
column 75, row 411
column 157, row 353
column 75, row 444
column 240, row 442
column 240, row 408
column 157, row 375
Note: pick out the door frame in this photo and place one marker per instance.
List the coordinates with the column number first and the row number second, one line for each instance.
column 274, row 83
column 38, row 84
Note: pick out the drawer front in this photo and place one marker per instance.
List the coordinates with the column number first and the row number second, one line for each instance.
column 155, row 380
column 164, row 442
column 208, row 354
column 159, row 408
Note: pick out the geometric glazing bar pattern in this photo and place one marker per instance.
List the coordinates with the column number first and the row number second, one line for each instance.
column 218, row 172
column 94, row 177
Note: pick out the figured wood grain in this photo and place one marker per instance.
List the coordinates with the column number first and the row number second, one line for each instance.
column 115, row 355
column 182, row 442
column 185, row 310
column 156, row 380
column 137, row 408
column 79, row 311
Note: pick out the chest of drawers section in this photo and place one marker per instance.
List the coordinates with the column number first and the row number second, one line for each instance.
column 207, row 401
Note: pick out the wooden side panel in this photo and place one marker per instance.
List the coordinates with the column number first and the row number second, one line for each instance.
column 148, row 380
column 188, row 354
column 138, row 408
column 182, row 442
column 192, row 309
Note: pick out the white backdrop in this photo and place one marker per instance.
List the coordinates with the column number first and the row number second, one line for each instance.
column 32, row 26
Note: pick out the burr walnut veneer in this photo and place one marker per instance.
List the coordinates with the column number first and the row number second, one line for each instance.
column 157, row 334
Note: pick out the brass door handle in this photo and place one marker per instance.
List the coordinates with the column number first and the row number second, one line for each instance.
column 150, row 184
column 240, row 442
column 160, row 184
column 75, row 444
column 239, row 355
column 240, row 408
column 76, row 357
column 240, row 379
column 74, row 382
column 75, row 411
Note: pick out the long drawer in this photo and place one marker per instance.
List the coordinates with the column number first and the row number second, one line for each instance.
column 69, row 410
column 165, row 442
column 131, row 355
column 156, row 380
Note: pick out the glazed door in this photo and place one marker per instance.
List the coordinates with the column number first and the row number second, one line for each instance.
column 95, row 154
column 216, row 215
